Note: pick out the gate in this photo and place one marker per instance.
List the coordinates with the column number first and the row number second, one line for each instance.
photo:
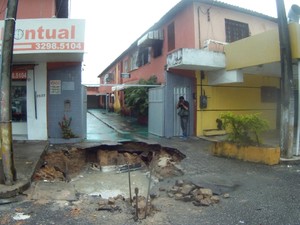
column 156, row 111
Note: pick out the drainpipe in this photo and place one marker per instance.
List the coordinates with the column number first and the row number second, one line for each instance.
column 9, row 170
column 198, row 11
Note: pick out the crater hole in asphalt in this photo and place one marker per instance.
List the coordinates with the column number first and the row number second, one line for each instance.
column 106, row 170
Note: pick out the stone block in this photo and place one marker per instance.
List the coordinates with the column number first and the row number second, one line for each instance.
column 215, row 199
column 206, row 192
column 206, row 202
column 187, row 188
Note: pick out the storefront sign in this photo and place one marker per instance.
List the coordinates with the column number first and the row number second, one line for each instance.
column 48, row 35
column 55, row 87
column 19, row 75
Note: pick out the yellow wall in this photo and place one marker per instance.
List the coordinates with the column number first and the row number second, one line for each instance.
column 294, row 29
column 260, row 49
column 242, row 98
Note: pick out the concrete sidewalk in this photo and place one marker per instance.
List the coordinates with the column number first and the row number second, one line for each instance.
column 27, row 158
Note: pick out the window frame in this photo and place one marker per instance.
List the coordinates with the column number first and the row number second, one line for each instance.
column 235, row 30
column 171, row 36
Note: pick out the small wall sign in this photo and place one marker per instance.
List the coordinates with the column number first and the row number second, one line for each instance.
column 55, row 87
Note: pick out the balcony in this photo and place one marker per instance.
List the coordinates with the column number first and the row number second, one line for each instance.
column 196, row 59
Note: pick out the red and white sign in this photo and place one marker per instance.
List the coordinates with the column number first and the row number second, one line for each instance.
column 48, row 35
column 19, row 75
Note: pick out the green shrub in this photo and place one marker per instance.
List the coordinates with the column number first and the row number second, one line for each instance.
column 136, row 98
column 244, row 129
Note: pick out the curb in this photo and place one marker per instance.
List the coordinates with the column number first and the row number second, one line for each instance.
column 295, row 160
column 16, row 189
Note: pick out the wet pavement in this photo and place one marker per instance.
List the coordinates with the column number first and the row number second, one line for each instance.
column 113, row 127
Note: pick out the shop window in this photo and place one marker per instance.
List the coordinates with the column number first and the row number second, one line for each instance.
column 18, row 96
column 171, row 37
column 235, row 30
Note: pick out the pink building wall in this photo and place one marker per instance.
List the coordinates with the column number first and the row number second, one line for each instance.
column 212, row 24
column 184, row 38
column 41, row 9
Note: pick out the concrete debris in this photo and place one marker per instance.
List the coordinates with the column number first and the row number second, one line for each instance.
column 21, row 216
column 226, row 195
column 189, row 192
column 141, row 203
column 110, row 204
column 166, row 165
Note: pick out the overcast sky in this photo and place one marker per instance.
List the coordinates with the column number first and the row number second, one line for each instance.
column 113, row 25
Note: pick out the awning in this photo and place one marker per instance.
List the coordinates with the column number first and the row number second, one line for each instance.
column 123, row 86
column 150, row 38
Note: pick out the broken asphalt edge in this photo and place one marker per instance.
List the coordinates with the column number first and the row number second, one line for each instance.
column 20, row 186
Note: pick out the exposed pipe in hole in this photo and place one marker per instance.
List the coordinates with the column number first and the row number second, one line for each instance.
column 149, row 184
column 136, row 191
column 129, row 183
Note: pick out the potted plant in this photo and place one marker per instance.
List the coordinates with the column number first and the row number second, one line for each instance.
column 243, row 139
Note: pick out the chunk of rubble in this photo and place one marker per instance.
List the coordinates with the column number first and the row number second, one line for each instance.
column 189, row 192
column 142, row 208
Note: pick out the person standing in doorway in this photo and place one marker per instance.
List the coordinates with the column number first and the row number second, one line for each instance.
column 183, row 113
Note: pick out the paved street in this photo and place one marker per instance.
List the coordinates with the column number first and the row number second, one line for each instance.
column 258, row 194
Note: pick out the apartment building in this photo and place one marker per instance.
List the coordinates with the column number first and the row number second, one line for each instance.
column 185, row 50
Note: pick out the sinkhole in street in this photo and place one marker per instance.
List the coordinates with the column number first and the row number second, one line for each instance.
column 108, row 170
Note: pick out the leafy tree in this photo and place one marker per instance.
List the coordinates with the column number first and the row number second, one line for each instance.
column 136, row 98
